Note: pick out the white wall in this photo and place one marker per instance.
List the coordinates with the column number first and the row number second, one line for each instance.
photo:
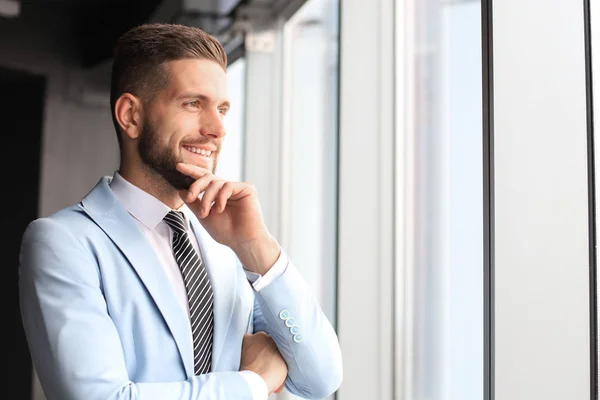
column 542, row 332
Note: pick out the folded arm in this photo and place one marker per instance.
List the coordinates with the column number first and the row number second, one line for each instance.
column 289, row 313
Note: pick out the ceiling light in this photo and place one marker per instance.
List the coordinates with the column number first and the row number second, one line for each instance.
column 10, row 8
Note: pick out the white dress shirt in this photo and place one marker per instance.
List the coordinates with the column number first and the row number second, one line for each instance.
column 148, row 213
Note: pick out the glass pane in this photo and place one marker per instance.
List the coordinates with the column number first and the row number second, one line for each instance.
column 310, row 119
column 231, row 159
column 309, row 188
column 443, row 321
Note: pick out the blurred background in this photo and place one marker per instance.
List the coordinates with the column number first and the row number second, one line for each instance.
column 427, row 164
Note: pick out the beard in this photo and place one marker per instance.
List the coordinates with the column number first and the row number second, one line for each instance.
column 163, row 160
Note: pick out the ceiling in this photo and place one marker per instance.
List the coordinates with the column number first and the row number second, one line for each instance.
column 91, row 27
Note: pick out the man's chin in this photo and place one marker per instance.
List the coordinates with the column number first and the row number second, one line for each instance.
column 180, row 181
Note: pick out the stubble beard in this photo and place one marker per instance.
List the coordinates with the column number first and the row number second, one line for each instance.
column 162, row 161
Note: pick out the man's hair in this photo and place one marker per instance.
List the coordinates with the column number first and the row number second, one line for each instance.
column 141, row 53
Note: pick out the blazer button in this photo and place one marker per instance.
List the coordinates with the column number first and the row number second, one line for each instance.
column 290, row 322
column 295, row 330
column 298, row 338
column 284, row 315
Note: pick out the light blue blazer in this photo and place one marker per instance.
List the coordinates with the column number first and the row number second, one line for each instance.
column 102, row 321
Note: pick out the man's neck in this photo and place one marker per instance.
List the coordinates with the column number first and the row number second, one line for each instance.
column 153, row 184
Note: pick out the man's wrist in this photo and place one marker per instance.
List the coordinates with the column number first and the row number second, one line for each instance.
column 259, row 255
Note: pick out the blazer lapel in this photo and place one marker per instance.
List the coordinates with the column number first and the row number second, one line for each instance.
column 220, row 261
column 103, row 207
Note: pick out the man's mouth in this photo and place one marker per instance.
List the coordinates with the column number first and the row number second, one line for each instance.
column 198, row 150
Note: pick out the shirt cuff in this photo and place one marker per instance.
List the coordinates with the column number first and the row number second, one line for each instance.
column 258, row 387
column 261, row 281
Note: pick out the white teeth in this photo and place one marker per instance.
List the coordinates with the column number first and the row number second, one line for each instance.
column 198, row 151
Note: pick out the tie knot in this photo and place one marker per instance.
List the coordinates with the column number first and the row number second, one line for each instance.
column 176, row 220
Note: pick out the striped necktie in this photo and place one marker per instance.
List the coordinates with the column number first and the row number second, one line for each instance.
column 199, row 292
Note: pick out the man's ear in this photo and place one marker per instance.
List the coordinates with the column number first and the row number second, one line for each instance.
column 128, row 113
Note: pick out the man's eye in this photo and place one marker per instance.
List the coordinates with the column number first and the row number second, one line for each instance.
column 192, row 103
column 223, row 111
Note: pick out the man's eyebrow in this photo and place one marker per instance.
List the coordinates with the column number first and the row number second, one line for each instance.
column 192, row 95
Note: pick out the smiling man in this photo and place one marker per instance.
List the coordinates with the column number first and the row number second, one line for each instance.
column 164, row 282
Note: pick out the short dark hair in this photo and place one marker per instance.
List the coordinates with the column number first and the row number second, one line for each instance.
column 141, row 53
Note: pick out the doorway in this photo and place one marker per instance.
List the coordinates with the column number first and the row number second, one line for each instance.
column 22, row 109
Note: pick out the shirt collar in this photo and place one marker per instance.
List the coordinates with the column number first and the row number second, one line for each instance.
column 142, row 205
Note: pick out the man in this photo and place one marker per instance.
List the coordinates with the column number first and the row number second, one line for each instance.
column 164, row 282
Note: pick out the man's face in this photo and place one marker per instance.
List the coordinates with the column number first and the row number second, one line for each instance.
column 184, row 122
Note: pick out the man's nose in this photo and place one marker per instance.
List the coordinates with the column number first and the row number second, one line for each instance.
column 212, row 124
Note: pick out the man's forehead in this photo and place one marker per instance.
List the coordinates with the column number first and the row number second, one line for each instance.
column 204, row 77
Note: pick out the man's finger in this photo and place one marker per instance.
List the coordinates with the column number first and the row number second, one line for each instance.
column 198, row 187
column 280, row 388
column 209, row 197
column 192, row 170
column 223, row 196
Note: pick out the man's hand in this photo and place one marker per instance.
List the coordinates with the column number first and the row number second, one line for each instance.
column 260, row 355
column 231, row 214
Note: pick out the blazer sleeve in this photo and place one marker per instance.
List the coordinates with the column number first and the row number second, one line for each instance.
column 289, row 313
column 74, row 345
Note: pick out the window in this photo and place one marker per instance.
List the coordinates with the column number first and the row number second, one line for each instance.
column 310, row 112
column 231, row 159
column 439, row 130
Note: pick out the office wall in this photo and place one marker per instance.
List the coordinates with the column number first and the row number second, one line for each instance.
column 78, row 140
column 79, row 144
